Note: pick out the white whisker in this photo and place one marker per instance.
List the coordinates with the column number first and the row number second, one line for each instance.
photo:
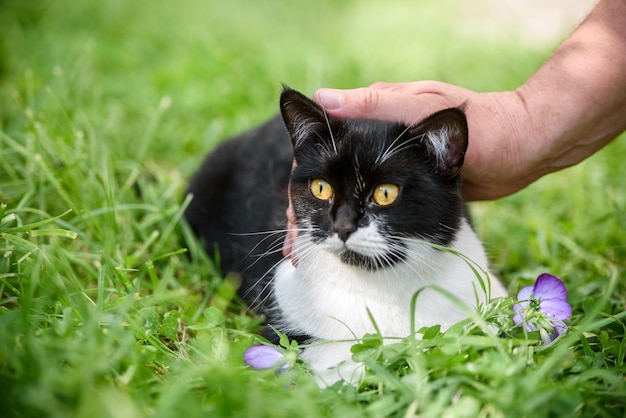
column 330, row 131
column 384, row 156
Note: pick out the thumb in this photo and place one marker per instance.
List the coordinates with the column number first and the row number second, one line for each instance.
column 372, row 103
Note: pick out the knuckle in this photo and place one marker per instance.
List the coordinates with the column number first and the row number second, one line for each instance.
column 369, row 100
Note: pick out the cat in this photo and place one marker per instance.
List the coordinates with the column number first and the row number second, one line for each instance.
column 372, row 200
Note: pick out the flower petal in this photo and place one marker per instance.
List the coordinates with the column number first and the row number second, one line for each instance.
column 546, row 337
column 549, row 287
column 525, row 294
column 520, row 308
column 529, row 326
column 520, row 313
column 560, row 328
column 556, row 308
column 262, row 357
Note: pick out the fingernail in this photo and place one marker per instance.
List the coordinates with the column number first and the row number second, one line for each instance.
column 329, row 99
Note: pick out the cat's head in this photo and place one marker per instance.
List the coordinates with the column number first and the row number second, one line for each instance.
column 365, row 189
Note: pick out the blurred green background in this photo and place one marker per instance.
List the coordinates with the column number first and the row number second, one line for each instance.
column 221, row 63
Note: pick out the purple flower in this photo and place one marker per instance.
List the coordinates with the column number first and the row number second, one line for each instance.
column 262, row 357
column 544, row 307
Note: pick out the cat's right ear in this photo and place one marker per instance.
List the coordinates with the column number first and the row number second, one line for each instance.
column 303, row 117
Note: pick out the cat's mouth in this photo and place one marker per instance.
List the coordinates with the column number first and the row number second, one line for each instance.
column 366, row 262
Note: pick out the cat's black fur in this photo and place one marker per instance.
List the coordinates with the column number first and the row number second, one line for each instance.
column 240, row 192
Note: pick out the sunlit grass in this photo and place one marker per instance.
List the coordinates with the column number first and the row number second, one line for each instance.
column 108, row 306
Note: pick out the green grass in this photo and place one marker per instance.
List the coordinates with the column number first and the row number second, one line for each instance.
column 108, row 307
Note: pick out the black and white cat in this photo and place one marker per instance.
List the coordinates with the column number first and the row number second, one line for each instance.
column 369, row 198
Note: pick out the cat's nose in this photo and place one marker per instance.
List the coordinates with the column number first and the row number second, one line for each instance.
column 344, row 229
column 345, row 222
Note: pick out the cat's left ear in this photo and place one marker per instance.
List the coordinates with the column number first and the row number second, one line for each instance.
column 445, row 136
column 302, row 116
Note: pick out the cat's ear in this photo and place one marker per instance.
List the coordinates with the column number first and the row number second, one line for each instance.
column 302, row 116
column 445, row 136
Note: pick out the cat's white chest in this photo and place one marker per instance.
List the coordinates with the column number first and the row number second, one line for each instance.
column 330, row 301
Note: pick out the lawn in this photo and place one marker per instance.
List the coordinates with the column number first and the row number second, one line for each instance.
column 108, row 306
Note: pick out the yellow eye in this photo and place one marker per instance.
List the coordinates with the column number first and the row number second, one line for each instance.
column 385, row 194
column 321, row 189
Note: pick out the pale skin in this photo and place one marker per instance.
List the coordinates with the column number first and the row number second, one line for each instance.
column 570, row 108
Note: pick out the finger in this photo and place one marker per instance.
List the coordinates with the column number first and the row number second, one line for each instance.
column 417, row 87
column 290, row 238
column 292, row 229
column 292, row 232
column 383, row 104
column 290, row 243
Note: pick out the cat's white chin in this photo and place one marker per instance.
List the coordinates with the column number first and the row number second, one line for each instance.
column 329, row 300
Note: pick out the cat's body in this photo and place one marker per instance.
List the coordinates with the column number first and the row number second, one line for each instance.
column 369, row 197
column 240, row 193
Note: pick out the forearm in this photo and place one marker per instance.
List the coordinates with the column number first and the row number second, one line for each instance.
column 576, row 102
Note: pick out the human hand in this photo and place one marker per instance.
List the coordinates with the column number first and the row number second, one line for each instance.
column 497, row 163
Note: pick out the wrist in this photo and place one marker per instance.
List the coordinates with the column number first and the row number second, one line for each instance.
column 500, row 159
